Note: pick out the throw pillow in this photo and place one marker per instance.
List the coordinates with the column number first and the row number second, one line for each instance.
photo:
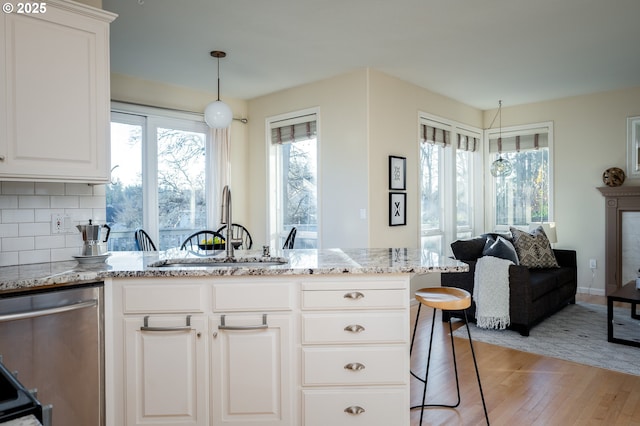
column 500, row 248
column 534, row 249
column 470, row 249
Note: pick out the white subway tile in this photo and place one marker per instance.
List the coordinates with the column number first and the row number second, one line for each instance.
column 34, row 229
column 17, row 215
column 8, row 201
column 18, row 188
column 9, row 258
column 18, row 243
column 61, row 255
column 100, row 190
column 44, row 215
column 64, row 202
column 49, row 188
column 9, row 230
column 78, row 189
column 92, row 202
column 50, row 242
column 33, row 201
column 34, row 256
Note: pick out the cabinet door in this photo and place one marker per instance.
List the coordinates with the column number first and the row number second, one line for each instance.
column 165, row 371
column 252, row 370
column 54, row 112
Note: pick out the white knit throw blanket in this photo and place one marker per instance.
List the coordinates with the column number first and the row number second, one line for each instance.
column 491, row 292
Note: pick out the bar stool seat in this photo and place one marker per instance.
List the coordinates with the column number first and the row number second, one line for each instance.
column 444, row 299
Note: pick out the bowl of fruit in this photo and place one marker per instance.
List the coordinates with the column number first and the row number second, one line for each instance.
column 215, row 243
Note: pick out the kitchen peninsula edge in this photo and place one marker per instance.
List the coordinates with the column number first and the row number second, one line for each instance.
column 322, row 338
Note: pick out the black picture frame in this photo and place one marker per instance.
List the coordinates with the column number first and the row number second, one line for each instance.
column 397, row 173
column 397, row 208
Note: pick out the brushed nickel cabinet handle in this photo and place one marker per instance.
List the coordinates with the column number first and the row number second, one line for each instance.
column 354, row 409
column 146, row 326
column 224, row 326
column 354, row 366
column 354, row 295
column 354, row 328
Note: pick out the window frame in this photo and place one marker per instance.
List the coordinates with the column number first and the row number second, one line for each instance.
column 448, row 170
column 490, row 196
column 152, row 118
column 274, row 217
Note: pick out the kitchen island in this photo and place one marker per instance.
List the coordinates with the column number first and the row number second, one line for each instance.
column 321, row 339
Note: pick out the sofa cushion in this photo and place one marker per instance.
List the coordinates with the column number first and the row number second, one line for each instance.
column 470, row 249
column 542, row 282
column 501, row 248
column 534, row 249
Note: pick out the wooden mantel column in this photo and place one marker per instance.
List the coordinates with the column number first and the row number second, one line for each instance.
column 618, row 199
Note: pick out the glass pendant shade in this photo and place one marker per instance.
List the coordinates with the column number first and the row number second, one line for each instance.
column 501, row 167
column 218, row 115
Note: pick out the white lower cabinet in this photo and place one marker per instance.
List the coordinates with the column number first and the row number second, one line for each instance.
column 251, row 369
column 257, row 351
column 165, row 362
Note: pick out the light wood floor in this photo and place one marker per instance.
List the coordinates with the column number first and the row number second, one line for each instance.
column 519, row 388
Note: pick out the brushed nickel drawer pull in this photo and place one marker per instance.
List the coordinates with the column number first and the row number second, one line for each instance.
column 354, row 328
column 146, row 326
column 354, row 366
column 223, row 326
column 354, row 409
column 355, row 295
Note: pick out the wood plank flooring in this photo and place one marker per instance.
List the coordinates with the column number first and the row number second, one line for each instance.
column 519, row 388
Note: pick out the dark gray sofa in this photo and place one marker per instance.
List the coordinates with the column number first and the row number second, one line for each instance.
column 534, row 294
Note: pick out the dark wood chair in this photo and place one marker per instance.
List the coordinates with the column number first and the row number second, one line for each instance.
column 203, row 240
column 239, row 235
column 144, row 241
column 291, row 239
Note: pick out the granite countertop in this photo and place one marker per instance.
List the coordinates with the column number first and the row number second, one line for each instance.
column 299, row 262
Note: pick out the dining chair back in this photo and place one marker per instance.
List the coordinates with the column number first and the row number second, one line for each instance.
column 203, row 240
column 144, row 241
column 238, row 233
column 291, row 239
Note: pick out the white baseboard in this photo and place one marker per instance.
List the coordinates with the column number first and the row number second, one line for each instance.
column 591, row 291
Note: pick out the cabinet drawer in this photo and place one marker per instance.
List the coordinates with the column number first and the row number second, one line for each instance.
column 354, row 299
column 355, row 366
column 392, row 327
column 243, row 296
column 384, row 407
column 149, row 298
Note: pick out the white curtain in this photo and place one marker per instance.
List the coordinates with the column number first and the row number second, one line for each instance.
column 220, row 167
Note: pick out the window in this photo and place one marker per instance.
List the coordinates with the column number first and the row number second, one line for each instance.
column 158, row 179
column 294, row 179
column 525, row 195
column 449, row 154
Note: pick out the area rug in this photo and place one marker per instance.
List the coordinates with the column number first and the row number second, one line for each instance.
column 577, row 333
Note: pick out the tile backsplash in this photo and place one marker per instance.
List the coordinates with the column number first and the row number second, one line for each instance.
column 27, row 210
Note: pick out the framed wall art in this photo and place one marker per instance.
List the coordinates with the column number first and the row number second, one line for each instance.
column 633, row 147
column 397, row 173
column 397, row 208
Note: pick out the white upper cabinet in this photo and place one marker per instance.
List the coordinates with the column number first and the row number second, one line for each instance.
column 54, row 92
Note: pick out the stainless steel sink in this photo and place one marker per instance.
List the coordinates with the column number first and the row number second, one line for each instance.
column 237, row 262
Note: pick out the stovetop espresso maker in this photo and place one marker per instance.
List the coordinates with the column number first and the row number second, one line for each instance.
column 95, row 239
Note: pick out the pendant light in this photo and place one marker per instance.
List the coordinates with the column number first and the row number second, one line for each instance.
column 217, row 114
column 502, row 166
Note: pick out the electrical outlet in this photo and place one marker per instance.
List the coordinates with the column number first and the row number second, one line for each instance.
column 593, row 264
column 57, row 223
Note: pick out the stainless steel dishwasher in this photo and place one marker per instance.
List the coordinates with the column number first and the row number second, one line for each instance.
column 54, row 341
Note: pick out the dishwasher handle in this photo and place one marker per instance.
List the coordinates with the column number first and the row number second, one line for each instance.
column 49, row 311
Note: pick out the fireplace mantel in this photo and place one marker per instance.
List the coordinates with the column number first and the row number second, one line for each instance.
column 618, row 199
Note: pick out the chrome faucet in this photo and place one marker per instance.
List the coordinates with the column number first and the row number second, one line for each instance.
column 225, row 217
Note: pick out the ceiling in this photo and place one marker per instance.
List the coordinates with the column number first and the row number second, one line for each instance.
column 474, row 51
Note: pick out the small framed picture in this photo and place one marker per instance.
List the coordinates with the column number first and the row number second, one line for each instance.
column 397, row 208
column 397, row 173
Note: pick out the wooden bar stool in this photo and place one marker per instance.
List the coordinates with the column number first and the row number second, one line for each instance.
column 445, row 299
